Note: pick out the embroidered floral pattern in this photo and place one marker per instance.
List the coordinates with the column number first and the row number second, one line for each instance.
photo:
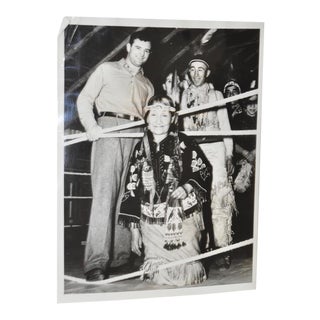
column 197, row 163
column 178, row 161
column 133, row 176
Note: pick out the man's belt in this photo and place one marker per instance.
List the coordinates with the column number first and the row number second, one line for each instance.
column 118, row 115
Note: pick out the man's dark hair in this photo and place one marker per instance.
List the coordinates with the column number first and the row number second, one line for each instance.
column 143, row 35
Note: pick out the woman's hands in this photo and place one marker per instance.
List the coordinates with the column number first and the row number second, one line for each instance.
column 182, row 192
column 136, row 241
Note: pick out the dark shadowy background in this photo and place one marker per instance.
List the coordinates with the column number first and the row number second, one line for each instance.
column 231, row 53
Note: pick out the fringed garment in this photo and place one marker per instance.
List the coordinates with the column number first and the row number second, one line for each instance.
column 170, row 228
column 223, row 204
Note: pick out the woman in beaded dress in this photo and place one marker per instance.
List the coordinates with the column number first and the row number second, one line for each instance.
column 168, row 181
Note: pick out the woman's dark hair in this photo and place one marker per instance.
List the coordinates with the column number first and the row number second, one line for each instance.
column 162, row 98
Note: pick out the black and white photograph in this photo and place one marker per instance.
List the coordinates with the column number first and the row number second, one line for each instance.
column 159, row 137
column 159, row 160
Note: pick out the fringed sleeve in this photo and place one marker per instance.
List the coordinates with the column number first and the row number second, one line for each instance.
column 197, row 170
column 130, row 208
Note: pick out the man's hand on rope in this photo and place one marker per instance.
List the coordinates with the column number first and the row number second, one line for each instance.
column 94, row 133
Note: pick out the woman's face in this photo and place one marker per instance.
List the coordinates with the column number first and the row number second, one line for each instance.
column 159, row 120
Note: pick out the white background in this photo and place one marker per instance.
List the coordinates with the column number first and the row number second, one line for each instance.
column 288, row 254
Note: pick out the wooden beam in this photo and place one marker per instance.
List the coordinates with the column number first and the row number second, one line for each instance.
column 183, row 51
column 76, row 47
column 170, row 35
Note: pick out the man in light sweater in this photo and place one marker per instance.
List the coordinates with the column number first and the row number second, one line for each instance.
column 217, row 149
column 119, row 91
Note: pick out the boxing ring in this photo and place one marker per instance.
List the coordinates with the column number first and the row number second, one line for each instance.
column 111, row 132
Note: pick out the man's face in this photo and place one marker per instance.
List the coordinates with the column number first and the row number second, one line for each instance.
column 198, row 72
column 138, row 52
column 231, row 91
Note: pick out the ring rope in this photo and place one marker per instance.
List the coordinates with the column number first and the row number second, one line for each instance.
column 188, row 133
column 77, row 173
column 83, row 136
column 167, row 265
column 218, row 103
column 79, row 137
